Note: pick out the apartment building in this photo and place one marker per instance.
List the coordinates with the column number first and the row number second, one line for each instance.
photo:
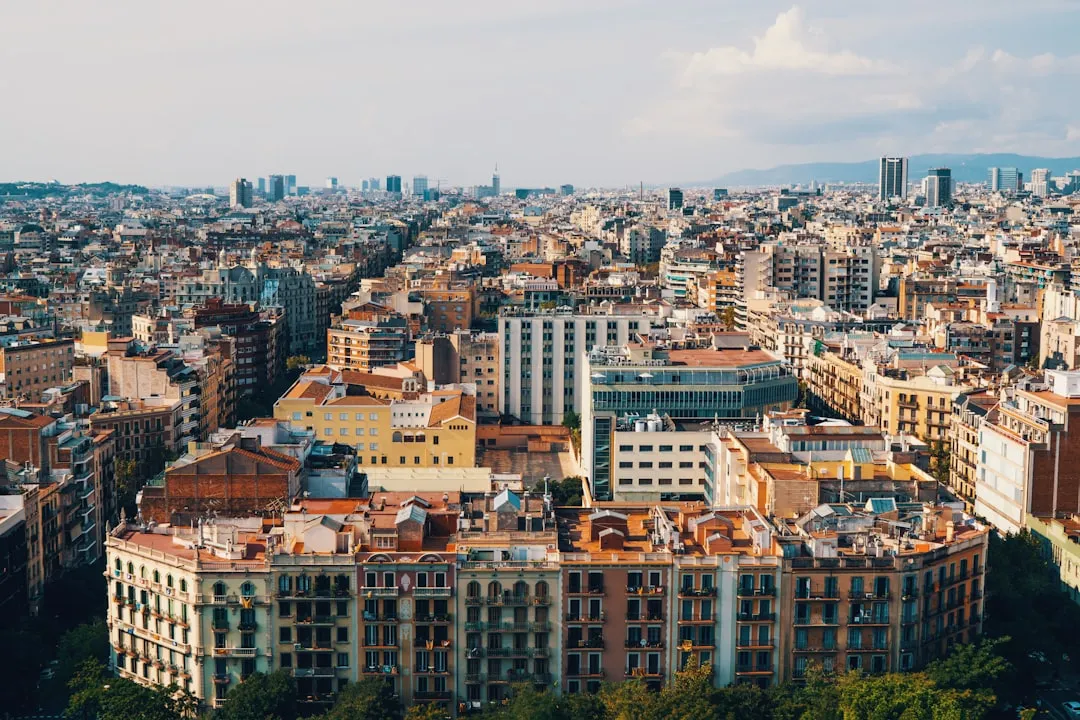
column 1025, row 454
column 734, row 385
column 543, row 356
column 354, row 344
column 145, row 431
column 464, row 357
column 885, row 587
column 509, row 596
column 190, row 609
column 258, row 354
column 14, row 559
column 72, row 494
column 969, row 412
column 451, row 601
column 427, row 430
column 834, row 381
column 31, row 367
column 846, row 278
column 158, row 377
column 912, row 395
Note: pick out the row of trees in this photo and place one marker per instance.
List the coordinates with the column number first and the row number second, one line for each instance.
column 959, row 688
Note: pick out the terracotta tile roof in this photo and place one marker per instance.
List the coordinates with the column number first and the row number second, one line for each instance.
column 364, row 400
column 308, row 390
column 462, row 406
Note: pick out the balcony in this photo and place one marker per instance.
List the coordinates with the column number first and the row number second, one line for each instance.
column 754, row 644
column 475, row 678
column 645, row 590
column 697, row 592
column 314, row 672
column 863, row 595
column 235, row 652
column 869, row 620
column 642, row 643
column 247, row 626
column 443, row 618
column 221, row 679
column 580, row 618
column 444, row 695
column 746, row 591
column 374, row 591
column 696, row 619
column 749, row 670
column 584, row 643
column 817, row 594
column 220, row 625
column 756, row 617
column 508, row 600
column 433, row 592
column 380, row 670
column 585, row 673
column 592, row 590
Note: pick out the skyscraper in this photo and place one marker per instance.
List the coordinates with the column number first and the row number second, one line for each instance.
column 290, row 184
column 1040, row 182
column 393, row 184
column 262, row 186
column 331, row 183
column 674, row 198
column 1007, row 179
column 496, row 183
column 419, row 185
column 240, row 193
column 939, row 187
column 893, row 178
column 277, row 187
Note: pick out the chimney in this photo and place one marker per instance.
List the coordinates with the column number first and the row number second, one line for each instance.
column 950, row 531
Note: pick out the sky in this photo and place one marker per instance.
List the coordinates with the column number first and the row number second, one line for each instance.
column 588, row 92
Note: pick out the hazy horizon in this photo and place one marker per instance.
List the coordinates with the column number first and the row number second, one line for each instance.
column 604, row 93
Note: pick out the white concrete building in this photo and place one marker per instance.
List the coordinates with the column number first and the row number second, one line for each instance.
column 543, row 356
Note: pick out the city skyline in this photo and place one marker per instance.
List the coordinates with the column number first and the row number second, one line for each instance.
column 695, row 103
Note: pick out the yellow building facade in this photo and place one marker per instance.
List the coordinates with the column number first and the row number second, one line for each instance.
column 434, row 429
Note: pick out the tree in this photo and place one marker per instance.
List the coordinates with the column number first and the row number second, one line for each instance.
column 85, row 642
column 940, row 460
column 630, row 700
column 127, row 482
column 427, row 711
column 565, row 492
column 95, row 695
column 297, row 363
column 261, row 697
column 571, row 420
column 727, row 318
column 369, row 699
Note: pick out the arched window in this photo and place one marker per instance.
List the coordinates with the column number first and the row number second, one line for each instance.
column 219, row 590
column 131, row 569
column 247, row 590
column 284, row 584
column 420, row 437
column 473, row 589
column 396, row 437
column 118, row 565
column 521, row 589
column 142, row 571
column 541, row 589
column 168, row 581
column 341, row 585
column 183, row 585
column 494, row 589
column 157, row 577
column 303, row 584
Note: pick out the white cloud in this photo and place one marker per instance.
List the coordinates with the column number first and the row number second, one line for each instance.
column 793, row 89
column 789, row 44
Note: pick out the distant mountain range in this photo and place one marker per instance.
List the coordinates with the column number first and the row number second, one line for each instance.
column 970, row 167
